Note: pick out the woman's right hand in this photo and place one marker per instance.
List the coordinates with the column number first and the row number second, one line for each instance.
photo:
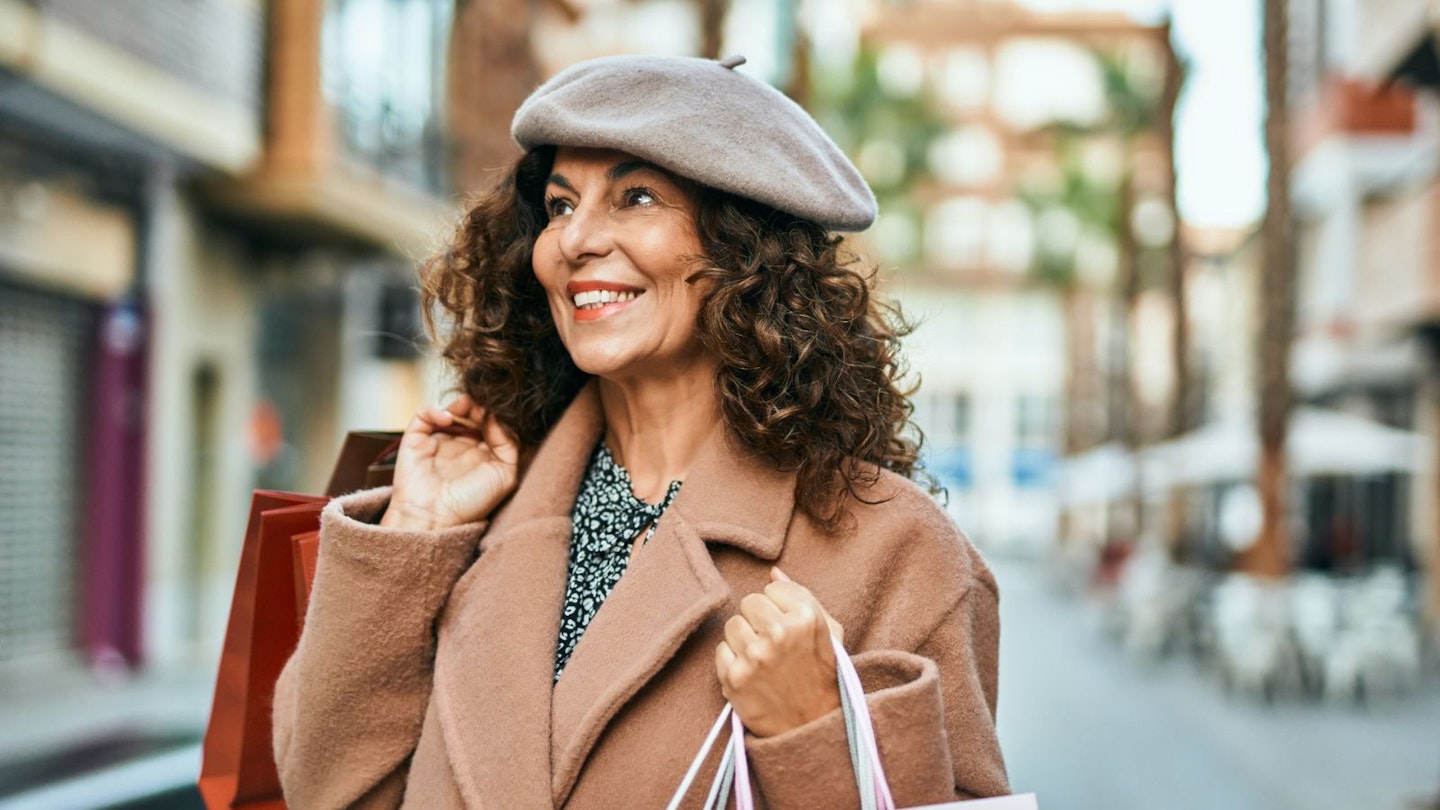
column 446, row 474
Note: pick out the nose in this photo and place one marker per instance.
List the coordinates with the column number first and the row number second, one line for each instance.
column 586, row 234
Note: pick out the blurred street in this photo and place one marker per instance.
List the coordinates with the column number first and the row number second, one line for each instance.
column 1174, row 267
column 1087, row 729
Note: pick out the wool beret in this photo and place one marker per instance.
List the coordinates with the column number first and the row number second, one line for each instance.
column 705, row 121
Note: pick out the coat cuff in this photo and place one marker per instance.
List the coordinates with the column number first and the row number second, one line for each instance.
column 809, row 766
column 350, row 530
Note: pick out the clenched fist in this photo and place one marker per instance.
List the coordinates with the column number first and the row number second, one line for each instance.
column 446, row 473
column 776, row 665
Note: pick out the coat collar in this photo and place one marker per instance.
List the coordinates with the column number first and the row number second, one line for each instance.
column 506, row 730
column 731, row 495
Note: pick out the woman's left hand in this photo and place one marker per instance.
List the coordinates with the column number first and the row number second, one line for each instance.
column 776, row 665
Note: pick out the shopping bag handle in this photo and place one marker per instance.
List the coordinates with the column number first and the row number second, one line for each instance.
column 734, row 769
column 860, row 734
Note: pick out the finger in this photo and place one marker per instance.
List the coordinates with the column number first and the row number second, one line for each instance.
column 418, row 424
column 795, row 599
column 724, row 663
column 791, row 597
column 461, row 405
column 739, row 634
column 502, row 444
column 764, row 615
column 469, row 411
column 424, row 422
column 802, row 614
column 786, row 592
column 437, row 415
column 445, row 419
column 464, row 421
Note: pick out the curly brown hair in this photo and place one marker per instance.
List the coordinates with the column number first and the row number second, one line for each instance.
column 808, row 361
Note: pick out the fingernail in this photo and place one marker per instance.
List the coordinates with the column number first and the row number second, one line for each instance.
column 781, row 574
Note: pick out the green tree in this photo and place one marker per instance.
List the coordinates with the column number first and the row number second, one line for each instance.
column 1103, row 206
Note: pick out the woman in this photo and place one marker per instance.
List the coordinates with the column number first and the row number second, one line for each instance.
column 676, row 466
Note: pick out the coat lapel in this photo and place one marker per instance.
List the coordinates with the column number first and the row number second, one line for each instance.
column 512, row 740
column 496, row 657
column 670, row 588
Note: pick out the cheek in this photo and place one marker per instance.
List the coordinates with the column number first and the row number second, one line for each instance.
column 546, row 264
column 683, row 304
column 541, row 257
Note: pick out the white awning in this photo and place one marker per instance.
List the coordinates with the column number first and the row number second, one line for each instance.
column 1320, row 442
column 1099, row 475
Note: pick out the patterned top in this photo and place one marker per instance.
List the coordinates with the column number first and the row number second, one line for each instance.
column 606, row 518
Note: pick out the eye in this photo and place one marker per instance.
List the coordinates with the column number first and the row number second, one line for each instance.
column 558, row 207
column 639, row 196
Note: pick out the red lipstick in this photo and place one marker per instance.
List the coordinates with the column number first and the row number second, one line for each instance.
column 595, row 284
column 594, row 310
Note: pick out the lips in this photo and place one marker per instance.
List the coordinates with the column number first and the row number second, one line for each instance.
column 595, row 299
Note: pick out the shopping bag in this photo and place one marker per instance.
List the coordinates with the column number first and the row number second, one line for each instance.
column 267, row 614
column 734, row 772
column 237, row 767
column 367, row 460
column 306, row 550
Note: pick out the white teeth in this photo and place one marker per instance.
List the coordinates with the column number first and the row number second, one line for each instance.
column 595, row 299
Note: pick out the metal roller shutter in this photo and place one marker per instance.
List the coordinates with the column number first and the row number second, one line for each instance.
column 44, row 355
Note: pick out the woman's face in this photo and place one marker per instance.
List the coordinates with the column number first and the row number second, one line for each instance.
column 613, row 260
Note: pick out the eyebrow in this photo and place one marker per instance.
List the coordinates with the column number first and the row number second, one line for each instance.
column 619, row 170
column 616, row 172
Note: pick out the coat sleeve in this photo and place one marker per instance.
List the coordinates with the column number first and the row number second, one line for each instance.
column 350, row 702
column 934, row 715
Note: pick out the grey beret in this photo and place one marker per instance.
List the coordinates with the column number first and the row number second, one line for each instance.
column 704, row 121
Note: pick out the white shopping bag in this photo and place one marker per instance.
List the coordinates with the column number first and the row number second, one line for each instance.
column 870, row 780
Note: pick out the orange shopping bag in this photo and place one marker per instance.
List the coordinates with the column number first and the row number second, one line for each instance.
column 267, row 613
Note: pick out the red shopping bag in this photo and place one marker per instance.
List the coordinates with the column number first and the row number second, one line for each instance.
column 237, row 768
column 267, row 613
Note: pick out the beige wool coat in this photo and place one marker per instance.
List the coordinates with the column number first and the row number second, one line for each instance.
column 424, row 675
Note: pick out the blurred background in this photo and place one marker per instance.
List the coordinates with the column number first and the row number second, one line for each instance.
column 1176, row 267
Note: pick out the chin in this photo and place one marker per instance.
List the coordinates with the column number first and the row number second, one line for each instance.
column 600, row 361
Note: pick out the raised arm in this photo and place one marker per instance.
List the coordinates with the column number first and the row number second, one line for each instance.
column 350, row 702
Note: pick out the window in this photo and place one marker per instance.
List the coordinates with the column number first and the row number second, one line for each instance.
column 901, row 70
column 1012, row 237
column 1036, row 421
column 1033, row 461
column 894, row 235
column 968, row 156
column 382, row 72
column 963, row 78
column 1040, row 81
column 960, row 418
column 955, row 233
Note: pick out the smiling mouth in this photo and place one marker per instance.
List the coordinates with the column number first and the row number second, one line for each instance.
column 594, row 300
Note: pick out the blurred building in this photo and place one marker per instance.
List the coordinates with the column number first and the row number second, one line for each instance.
column 1362, row 470
column 210, row 212
column 1395, row 204
column 1011, row 273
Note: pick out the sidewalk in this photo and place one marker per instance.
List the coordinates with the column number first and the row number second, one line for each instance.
column 70, row 742
column 1088, row 729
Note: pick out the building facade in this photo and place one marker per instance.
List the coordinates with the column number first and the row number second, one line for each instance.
column 1394, row 181
column 1011, row 276
column 210, row 214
